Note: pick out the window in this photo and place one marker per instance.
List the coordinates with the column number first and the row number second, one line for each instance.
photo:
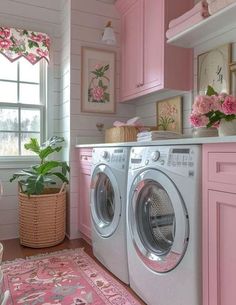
column 22, row 104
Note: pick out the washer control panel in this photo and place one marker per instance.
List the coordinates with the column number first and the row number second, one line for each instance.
column 116, row 157
column 179, row 159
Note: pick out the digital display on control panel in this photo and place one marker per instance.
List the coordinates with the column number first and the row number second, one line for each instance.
column 180, row 150
column 118, row 151
column 136, row 161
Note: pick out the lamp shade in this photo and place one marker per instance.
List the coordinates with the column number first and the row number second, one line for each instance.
column 109, row 36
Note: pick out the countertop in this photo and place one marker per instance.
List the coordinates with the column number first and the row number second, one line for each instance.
column 183, row 141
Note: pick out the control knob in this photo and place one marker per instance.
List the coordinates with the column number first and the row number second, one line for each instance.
column 104, row 154
column 155, row 155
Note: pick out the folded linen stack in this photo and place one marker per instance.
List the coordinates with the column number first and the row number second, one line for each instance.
column 216, row 5
column 188, row 19
column 157, row 135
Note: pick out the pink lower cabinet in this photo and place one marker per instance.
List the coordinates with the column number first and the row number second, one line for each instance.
column 85, row 158
column 219, row 224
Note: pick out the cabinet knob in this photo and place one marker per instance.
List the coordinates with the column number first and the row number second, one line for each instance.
column 139, row 85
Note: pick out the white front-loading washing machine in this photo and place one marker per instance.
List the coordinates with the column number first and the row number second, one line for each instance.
column 108, row 208
column 164, row 224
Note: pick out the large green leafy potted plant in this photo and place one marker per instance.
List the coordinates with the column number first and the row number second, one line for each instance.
column 42, row 204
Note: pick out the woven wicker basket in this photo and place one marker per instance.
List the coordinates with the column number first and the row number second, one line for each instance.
column 121, row 134
column 42, row 218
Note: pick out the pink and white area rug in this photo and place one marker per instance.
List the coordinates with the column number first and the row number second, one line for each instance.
column 68, row 277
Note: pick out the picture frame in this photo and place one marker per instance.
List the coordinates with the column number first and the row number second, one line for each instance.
column 233, row 78
column 213, row 69
column 170, row 114
column 98, row 80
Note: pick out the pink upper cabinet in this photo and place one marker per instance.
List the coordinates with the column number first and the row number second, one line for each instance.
column 148, row 64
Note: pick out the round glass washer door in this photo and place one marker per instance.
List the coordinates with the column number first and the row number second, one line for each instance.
column 105, row 201
column 158, row 223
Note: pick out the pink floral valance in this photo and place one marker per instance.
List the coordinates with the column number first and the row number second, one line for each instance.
column 16, row 43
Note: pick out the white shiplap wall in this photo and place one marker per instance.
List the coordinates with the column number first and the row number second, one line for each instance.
column 88, row 18
column 146, row 108
column 64, row 102
column 42, row 16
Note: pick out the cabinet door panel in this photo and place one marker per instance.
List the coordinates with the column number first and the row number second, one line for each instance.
column 132, row 50
column 222, row 248
column 222, row 167
column 84, row 203
column 153, row 43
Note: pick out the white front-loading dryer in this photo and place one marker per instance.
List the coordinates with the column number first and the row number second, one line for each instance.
column 164, row 224
column 108, row 208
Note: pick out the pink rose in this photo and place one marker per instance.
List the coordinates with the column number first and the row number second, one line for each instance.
column 217, row 102
column 97, row 93
column 222, row 96
column 197, row 120
column 5, row 43
column 5, row 32
column 229, row 105
column 97, row 66
column 37, row 38
column 42, row 53
column 202, row 104
column 31, row 57
column 47, row 42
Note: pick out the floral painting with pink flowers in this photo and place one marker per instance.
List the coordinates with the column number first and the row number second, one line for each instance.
column 98, row 77
column 169, row 114
column 98, row 91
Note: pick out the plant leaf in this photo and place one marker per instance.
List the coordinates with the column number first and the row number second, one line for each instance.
column 23, row 173
column 48, row 166
column 53, row 141
column 106, row 67
column 33, row 145
column 61, row 176
column 48, row 151
column 211, row 91
column 34, row 185
column 65, row 168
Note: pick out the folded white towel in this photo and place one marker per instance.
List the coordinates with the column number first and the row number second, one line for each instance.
column 200, row 8
column 158, row 135
column 216, row 5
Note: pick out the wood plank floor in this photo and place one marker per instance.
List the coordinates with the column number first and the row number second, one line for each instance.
column 13, row 250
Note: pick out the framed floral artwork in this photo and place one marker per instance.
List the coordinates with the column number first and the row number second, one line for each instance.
column 98, row 81
column 213, row 69
column 233, row 78
column 169, row 114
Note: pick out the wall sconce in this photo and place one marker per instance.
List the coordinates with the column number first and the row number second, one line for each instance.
column 100, row 126
column 108, row 35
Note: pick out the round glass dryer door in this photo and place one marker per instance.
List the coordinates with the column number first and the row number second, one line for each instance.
column 158, row 221
column 105, row 201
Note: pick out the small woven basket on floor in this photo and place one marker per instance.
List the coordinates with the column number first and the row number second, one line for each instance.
column 42, row 218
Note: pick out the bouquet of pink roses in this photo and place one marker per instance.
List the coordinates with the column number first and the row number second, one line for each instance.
column 208, row 110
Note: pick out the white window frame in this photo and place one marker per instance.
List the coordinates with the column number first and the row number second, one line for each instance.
column 11, row 161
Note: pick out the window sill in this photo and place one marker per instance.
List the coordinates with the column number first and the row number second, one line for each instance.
column 17, row 162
